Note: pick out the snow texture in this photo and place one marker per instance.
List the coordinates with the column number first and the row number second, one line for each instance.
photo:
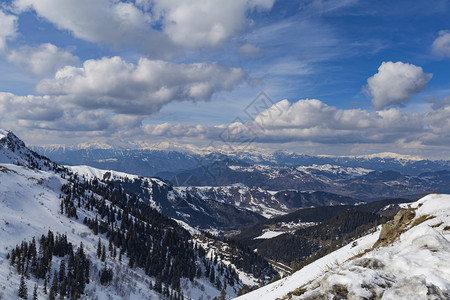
column 416, row 266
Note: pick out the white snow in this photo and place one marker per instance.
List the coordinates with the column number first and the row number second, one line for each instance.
column 269, row 234
column 381, row 155
column 407, row 269
column 30, row 206
column 334, row 169
column 91, row 172
column 186, row 226
column 283, row 286
column 3, row 133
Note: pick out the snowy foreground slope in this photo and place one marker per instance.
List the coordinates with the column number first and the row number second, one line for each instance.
column 29, row 207
column 413, row 265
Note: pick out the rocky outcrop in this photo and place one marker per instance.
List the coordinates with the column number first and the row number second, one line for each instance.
column 392, row 229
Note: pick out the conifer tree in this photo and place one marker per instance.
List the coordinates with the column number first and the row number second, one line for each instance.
column 51, row 295
column 45, row 286
column 35, row 294
column 103, row 253
column 99, row 248
column 54, row 287
column 23, row 292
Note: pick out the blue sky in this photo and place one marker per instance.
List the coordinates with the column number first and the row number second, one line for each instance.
column 344, row 77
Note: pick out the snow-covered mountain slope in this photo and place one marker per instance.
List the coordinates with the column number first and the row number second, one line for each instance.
column 264, row 202
column 352, row 181
column 41, row 208
column 14, row 151
column 91, row 172
column 225, row 208
column 408, row 259
column 29, row 207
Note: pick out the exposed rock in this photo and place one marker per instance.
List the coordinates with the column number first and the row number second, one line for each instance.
column 392, row 229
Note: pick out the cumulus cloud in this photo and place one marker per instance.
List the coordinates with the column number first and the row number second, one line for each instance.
column 308, row 121
column 29, row 107
column 41, row 60
column 53, row 113
column 153, row 26
column 395, row 83
column 8, row 29
column 441, row 45
column 204, row 23
column 312, row 121
column 101, row 21
column 86, row 121
column 142, row 88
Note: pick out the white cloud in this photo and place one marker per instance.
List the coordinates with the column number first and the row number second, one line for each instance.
column 152, row 26
column 205, row 23
column 305, row 122
column 53, row 113
column 142, row 88
column 86, row 121
column 29, row 107
column 101, row 21
column 395, row 83
column 8, row 29
column 312, row 121
column 441, row 45
column 41, row 60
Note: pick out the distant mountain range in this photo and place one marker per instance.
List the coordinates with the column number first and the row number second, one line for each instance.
column 364, row 177
column 151, row 161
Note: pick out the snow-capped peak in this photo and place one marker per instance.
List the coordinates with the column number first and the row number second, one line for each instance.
column 382, row 155
column 14, row 151
column 3, row 133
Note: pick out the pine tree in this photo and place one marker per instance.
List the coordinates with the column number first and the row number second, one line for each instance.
column 35, row 294
column 63, row 288
column 62, row 270
column 23, row 292
column 103, row 253
column 54, row 287
column 51, row 295
column 99, row 248
column 45, row 286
